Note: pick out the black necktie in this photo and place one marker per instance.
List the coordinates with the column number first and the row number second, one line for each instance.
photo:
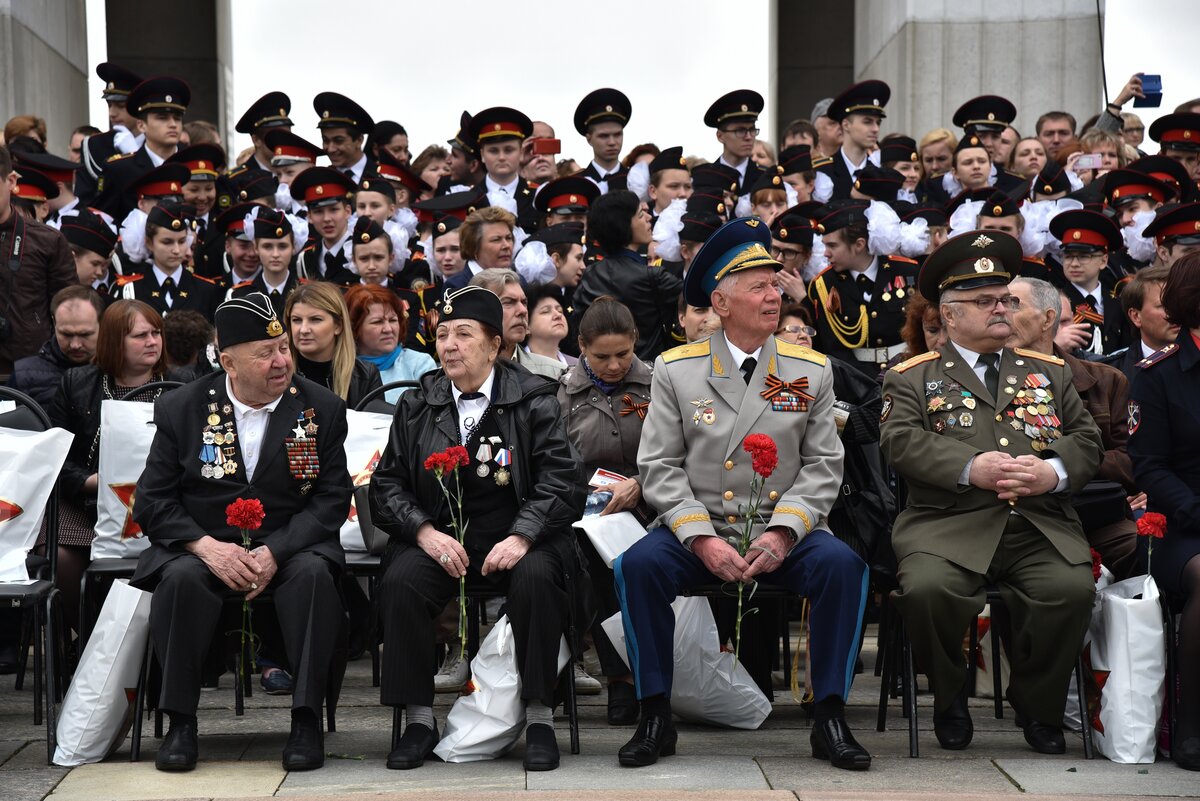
column 748, row 367
column 168, row 289
column 332, row 263
column 349, row 172
column 991, row 373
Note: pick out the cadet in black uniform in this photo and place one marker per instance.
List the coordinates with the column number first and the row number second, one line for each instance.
column 328, row 195
column 268, row 113
column 859, row 110
column 162, row 281
column 735, row 116
column 601, row 118
column 250, row 432
column 1088, row 238
column 987, row 117
column 275, row 244
column 857, row 304
column 122, row 137
column 499, row 132
column 565, row 200
column 343, row 125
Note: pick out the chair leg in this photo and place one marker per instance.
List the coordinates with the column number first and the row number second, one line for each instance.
column 139, row 706
column 1172, row 673
column 884, row 663
column 910, row 698
column 38, row 687
column 375, row 636
column 997, row 687
column 239, row 686
column 973, row 657
column 22, row 651
column 395, row 727
column 1085, row 719
column 882, row 633
column 49, row 646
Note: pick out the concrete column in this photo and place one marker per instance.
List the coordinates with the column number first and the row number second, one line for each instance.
column 936, row 54
column 813, row 49
column 43, row 65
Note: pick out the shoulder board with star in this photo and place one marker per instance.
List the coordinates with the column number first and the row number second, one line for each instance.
column 1158, row 356
column 1043, row 357
column 309, row 247
column 206, row 279
column 692, row 351
column 901, row 259
column 928, row 356
column 799, row 352
column 118, row 157
column 122, row 280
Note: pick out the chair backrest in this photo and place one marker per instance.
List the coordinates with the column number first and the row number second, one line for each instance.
column 30, row 416
column 375, row 539
column 165, row 386
column 373, row 401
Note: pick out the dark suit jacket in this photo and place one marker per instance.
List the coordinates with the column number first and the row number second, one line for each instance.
column 193, row 293
column 115, row 195
column 839, row 173
column 176, row 505
column 527, row 215
column 1112, row 330
column 310, row 268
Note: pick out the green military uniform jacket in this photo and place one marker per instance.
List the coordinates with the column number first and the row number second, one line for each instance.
column 694, row 470
column 937, row 415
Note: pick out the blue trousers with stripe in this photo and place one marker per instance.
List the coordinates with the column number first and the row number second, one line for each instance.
column 821, row 568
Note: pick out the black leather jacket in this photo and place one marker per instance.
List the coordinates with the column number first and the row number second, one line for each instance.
column 548, row 474
column 650, row 291
column 38, row 376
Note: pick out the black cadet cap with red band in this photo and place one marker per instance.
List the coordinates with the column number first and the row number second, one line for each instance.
column 1125, row 185
column 232, row 221
column 602, row 105
column 1180, row 223
column 204, row 162
column 499, row 124
column 391, row 169
column 269, row 111
column 969, row 261
column 569, row 195
column 898, row 148
column 56, row 169
column 322, row 186
column 338, row 111
column 158, row 94
column 1083, row 231
column 740, row 105
column 987, row 113
column 165, row 180
column 668, row 159
column 90, row 232
column 288, row 148
column 118, row 81
column 796, row 159
column 1177, row 131
column 866, row 97
column 34, row 186
column 1167, row 170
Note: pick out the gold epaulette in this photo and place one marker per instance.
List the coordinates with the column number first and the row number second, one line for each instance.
column 821, row 161
column 799, row 352
column 1033, row 354
column 117, row 157
column 692, row 351
column 1158, row 356
column 928, row 356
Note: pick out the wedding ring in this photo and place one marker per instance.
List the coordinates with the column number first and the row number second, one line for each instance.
column 445, row 559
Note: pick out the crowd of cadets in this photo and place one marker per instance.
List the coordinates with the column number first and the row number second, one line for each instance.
column 852, row 214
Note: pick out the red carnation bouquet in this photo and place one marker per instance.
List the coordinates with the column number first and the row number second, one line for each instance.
column 246, row 515
column 444, row 464
column 764, row 458
column 1152, row 526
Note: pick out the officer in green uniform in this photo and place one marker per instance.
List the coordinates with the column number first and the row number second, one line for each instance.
column 991, row 441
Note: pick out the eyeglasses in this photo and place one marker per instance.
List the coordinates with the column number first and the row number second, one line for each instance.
column 786, row 255
column 1134, row 130
column 987, row 304
column 798, row 329
column 1078, row 258
column 742, row 133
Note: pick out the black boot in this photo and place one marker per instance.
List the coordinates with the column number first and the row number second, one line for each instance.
column 415, row 746
column 622, row 704
column 180, row 747
column 305, row 749
column 541, row 747
column 655, row 736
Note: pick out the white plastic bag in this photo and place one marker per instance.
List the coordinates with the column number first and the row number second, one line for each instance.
column 1128, row 658
column 1071, row 718
column 126, row 432
column 98, row 709
column 366, row 439
column 488, row 721
column 612, row 535
column 710, row 685
column 29, row 464
column 985, row 660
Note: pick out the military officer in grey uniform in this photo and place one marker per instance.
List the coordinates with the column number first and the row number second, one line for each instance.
column 991, row 442
column 706, row 398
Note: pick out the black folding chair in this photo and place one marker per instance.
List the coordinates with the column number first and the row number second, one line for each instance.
column 101, row 573
column 374, row 401
column 38, row 600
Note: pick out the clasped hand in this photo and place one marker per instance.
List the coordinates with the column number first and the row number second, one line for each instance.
column 723, row 561
column 1012, row 477
column 240, row 570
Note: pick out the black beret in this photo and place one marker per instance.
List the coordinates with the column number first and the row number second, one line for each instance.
column 172, row 216
column 250, row 318
column 271, row 223
column 90, row 232
column 367, row 230
column 472, row 303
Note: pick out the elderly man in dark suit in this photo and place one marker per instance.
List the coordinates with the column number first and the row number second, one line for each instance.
column 252, row 432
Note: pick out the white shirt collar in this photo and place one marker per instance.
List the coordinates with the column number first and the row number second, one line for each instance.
column 161, row 276
column 738, row 354
column 969, row 356
column 155, row 159
column 1147, row 351
column 1093, row 294
column 872, row 158
column 240, row 409
column 337, row 246
column 603, row 173
column 871, row 272
column 358, row 167
column 741, row 168
column 485, row 389
column 509, row 188
column 270, row 287
column 474, row 267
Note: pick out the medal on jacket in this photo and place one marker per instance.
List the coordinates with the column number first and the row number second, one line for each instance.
column 310, row 427
column 503, row 459
column 704, row 411
column 302, row 452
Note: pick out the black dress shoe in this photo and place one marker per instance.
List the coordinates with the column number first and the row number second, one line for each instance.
column 415, row 746
column 541, row 748
column 655, row 737
column 953, row 726
column 305, row 749
column 832, row 740
column 622, row 704
column 1186, row 753
column 179, row 749
column 1045, row 738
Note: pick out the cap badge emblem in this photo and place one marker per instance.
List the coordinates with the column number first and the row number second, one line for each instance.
column 997, row 210
column 783, row 233
column 745, row 107
column 447, row 309
column 320, row 190
column 1048, row 188
column 1116, row 193
column 1076, row 235
column 274, row 328
column 167, row 98
column 875, row 101
column 365, row 237
column 366, row 184
column 496, row 127
column 1187, row 134
column 982, row 241
column 775, row 180
column 720, row 208
column 176, row 225
column 200, row 165
column 608, row 108
column 984, row 265
column 991, row 115
column 278, row 232
column 752, row 223
column 441, row 228
column 573, row 199
column 325, row 114
column 174, row 187
column 282, row 112
column 279, row 151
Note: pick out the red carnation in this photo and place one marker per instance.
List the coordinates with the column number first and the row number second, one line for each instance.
column 244, row 514
column 764, row 455
column 1152, row 524
column 445, row 461
column 1095, row 565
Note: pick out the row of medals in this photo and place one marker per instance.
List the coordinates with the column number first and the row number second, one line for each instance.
column 1035, row 413
column 937, row 403
column 484, row 455
column 217, row 434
